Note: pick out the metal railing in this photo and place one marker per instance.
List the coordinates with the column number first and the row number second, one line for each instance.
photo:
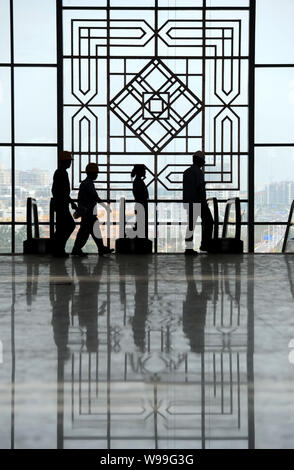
column 214, row 203
column 32, row 219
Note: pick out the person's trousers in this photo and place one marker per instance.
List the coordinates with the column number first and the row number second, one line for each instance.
column 65, row 225
column 89, row 226
column 194, row 211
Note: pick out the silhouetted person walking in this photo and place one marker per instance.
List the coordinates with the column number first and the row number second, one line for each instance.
column 87, row 201
column 194, row 192
column 61, row 198
column 141, row 194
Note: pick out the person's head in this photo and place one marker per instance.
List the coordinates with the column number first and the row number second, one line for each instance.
column 92, row 171
column 139, row 170
column 64, row 159
column 199, row 159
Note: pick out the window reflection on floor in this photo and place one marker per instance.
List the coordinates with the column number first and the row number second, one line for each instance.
column 139, row 362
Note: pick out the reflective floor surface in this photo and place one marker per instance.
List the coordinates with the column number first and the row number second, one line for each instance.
column 148, row 352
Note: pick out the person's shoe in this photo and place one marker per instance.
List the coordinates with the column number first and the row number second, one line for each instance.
column 79, row 253
column 190, row 252
column 105, row 251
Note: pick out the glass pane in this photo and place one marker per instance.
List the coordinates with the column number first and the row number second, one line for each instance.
column 269, row 238
column 5, row 184
column 274, row 31
column 274, row 94
column 5, row 238
column 171, row 239
column 4, row 31
column 35, row 31
column 34, row 168
column 5, row 130
column 274, row 183
column 35, row 104
column 21, row 235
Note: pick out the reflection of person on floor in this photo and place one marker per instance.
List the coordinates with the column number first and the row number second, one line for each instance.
column 61, row 199
column 86, row 303
column 141, row 307
column 193, row 194
column 61, row 292
column 141, row 195
column 195, row 304
column 87, row 201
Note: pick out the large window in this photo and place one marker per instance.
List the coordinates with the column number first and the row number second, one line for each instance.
column 124, row 82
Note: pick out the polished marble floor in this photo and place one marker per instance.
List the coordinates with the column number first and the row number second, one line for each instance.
column 148, row 352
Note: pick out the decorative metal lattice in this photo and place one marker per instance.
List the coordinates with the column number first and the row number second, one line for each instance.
column 153, row 85
column 160, row 104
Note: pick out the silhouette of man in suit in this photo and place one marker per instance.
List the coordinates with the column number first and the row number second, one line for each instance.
column 87, row 201
column 61, row 199
column 194, row 194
